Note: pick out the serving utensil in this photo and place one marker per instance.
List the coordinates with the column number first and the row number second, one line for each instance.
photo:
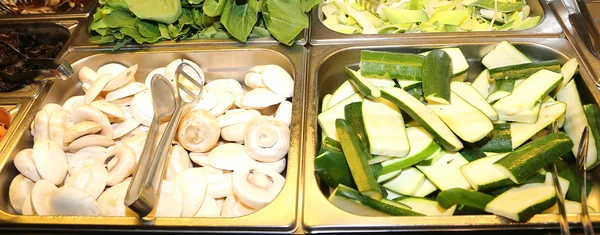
column 588, row 229
column 564, row 225
column 142, row 193
column 577, row 20
column 5, row 9
column 370, row 5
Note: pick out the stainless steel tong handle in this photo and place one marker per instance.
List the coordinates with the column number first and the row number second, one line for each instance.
column 588, row 229
column 564, row 225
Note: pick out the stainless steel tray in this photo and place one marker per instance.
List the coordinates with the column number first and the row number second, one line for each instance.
column 73, row 14
column 64, row 29
column 217, row 62
column 326, row 74
column 321, row 35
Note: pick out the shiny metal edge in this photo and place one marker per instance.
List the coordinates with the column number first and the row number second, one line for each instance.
column 320, row 216
column 34, row 89
column 321, row 35
column 76, row 14
column 277, row 217
column 82, row 40
column 23, row 104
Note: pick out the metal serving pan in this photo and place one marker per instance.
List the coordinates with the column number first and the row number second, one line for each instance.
column 321, row 35
column 62, row 30
column 217, row 62
column 326, row 74
column 82, row 40
column 72, row 14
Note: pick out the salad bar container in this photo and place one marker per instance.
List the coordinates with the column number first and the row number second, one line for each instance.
column 547, row 27
column 62, row 11
column 217, row 62
column 326, row 73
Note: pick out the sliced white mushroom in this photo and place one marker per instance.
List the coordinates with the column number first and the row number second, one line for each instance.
column 172, row 67
column 236, row 117
column 39, row 197
column 227, row 85
column 90, row 140
column 85, row 87
column 137, row 144
column 41, row 122
column 112, row 69
column 126, row 101
column 120, row 163
column 81, row 129
column 193, row 184
column 266, row 139
column 284, row 112
column 278, row 80
column 234, row 133
column 208, row 101
column 226, row 101
column 27, row 208
column 257, row 186
column 50, row 108
column 125, row 91
column 269, row 111
column 72, row 201
column 178, row 161
column 148, row 80
column 90, row 179
column 86, row 156
column 94, row 90
column 200, row 158
column 209, row 208
column 69, row 104
column 254, row 77
column 112, row 111
column 219, row 185
column 233, row 207
column 198, row 131
column 141, row 108
column 50, row 161
column 19, row 189
column 229, row 156
column 220, row 202
column 126, row 110
column 112, row 200
column 89, row 113
column 58, row 125
column 121, row 79
column 260, row 98
column 122, row 128
column 170, row 200
column 25, row 164
column 278, row 166
column 87, row 75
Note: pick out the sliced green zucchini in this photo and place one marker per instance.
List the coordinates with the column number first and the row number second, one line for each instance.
column 362, row 84
column 574, row 190
column 571, row 207
column 422, row 146
column 423, row 205
column 564, row 184
column 568, row 70
column 437, row 72
column 379, row 117
column 341, row 93
column 425, row 189
column 325, row 102
column 424, row 116
column 459, row 62
column 592, row 113
column 354, row 117
column 499, row 140
column 408, row 84
column 468, row 202
column 332, row 169
column 381, row 82
column 527, row 116
column 383, row 177
column 482, row 83
column 529, row 93
column 483, row 176
column 549, row 112
column 472, row 153
column 327, row 119
column 329, row 144
column 523, row 202
column 445, row 173
column 503, row 55
column 407, row 182
column 524, row 162
column 391, row 65
column 522, row 71
column 471, row 95
column 500, row 89
column 352, row 201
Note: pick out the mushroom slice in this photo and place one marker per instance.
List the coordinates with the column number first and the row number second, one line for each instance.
column 170, row 200
column 50, row 108
column 112, row 69
column 219, row 185
column 121, row 79
column 122, row 128
column 25, row 164
column 41, row 128
column 226, row 101
column 227, row 85
column 69, row 104
column 278, row 80
column 87, row 75
column 178, row 161
column 72, row 201
column 266, row 139
column 148, row 80
column 27, row 208
column 234, row 133
column 200, row 158
column 122, row 101
column 50, row 161
column 208, row 101
column 229, row 156
column 254, row 77
column 284, row 112
column 278, row 166
column 257, row 186
column 112, row 111
column 236, row 117
column 89, row 113
column 198, row 131
column 90, row 179
column 81, row 129
column 19, row 189
column 58, row 125
column 260, row 98
column 112, row 200
column 125, row 91
column 197, row 75
column 39, row 197
column 86, row 156
column 137, row 144
column 94, row 90
column 233, row 207
column 209, row 208
column 193, row 184
column 120, row 163
column 90, row 140
column 141, row 107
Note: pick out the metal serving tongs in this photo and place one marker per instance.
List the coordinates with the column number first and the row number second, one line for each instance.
column 577, row 19
column 50, row 69
column 564, row 225
column 144, row 189
column 588, row 229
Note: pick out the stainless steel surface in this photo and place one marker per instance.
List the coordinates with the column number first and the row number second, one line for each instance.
column 325, row 74
column 564, row 225
column 217, row 61
column 57, row 30
column 588, row 228
column 321, row 35
column 73, row 14
column 143, row 190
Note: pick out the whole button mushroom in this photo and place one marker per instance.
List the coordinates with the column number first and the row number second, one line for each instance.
column 25, row 164
column 19, row 190
column 50, row 161
column 72, row 201
column 120, row 162
column 198, row 131
column 266, row 139
column 256, row 186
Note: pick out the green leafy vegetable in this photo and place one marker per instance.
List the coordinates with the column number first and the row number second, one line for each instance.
column 282, row 23
column 239, row 16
